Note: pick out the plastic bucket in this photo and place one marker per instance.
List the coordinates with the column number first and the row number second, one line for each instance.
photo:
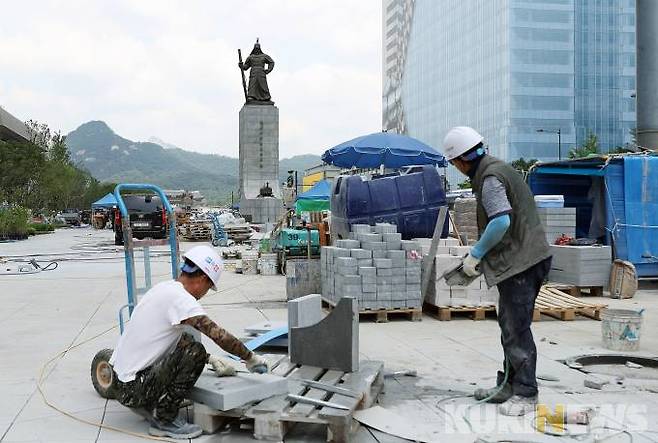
column 267, row 264
column 620, row 329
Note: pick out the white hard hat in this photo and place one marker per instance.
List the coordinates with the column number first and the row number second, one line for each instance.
column 459, row 140
column 206, row 259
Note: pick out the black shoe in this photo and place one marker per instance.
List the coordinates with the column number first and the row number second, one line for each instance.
column 497, row 394
column 179, row 429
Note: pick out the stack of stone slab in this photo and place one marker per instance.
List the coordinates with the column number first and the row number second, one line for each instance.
column 449, row 254
column 581, row 265
column 375, row 266
column 558, row 221
column 466, row 218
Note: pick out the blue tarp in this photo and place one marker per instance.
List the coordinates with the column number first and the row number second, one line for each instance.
column 320, row 191
column 641, row 208
column 383, row 148
column 106, row 202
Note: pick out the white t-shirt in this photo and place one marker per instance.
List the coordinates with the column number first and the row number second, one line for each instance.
column 154, row 328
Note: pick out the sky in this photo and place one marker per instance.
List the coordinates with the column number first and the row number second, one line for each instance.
column 169, row 68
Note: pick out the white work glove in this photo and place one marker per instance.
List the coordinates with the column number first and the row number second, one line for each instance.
column 469, row 266
column 257, row 364
column 221, row 369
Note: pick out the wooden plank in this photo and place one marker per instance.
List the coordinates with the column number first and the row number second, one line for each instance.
column 369, row 380
column 330, row 378
column 278, row 403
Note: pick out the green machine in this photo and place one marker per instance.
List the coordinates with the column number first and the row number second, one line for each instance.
column 294, row 242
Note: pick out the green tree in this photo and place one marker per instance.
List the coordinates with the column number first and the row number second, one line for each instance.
column 522, row 165
column 590, row 147
column 466, row 184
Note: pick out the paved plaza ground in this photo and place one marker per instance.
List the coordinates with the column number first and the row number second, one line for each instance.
column 45, row 314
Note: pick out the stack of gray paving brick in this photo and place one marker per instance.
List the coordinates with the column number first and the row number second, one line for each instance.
column 558, row 221
column 466, row 218
column 375, row 266
column 581, row 265
column 448, row 255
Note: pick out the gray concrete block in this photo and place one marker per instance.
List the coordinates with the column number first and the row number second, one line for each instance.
column 398, row 255
column 385, row 228
column 369, row 279
column 224, row 393
column 379, row 254
column 415, row 303
column 333, row 343
column 393, row 245
column 391, row 236
column 399, row 272
column 361, row 228
column 410, row 245
column 346, row 261
column 369, row 238
column 351, row 279
column 360, row 253
column 347, row 270
column 383, row 263
column 364, row 262
column 367, row 270
column 373, row 246
column 384, row 280
column 348, row 244
column 369, row 287
column 387, row 272
column 304, row 311
column 303, row 277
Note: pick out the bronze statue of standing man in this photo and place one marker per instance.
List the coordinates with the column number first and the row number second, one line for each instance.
column 260, row 64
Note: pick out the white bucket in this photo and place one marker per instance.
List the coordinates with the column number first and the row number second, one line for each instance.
column 250, row 266
column 267, row 264
column 620, row 329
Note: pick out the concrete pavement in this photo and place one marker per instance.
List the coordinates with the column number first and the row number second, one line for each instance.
column 47, row 313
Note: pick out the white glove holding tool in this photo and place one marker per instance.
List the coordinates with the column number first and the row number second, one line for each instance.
column 221, row 368
column 257, row 364
column 470, row 266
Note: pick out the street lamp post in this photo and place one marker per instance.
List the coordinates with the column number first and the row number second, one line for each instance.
column 559, row 140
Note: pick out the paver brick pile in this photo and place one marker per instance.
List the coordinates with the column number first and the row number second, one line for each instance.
column 375, row 266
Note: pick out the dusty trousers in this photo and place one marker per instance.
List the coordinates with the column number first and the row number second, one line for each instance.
column 161, row 388
column 515, row 308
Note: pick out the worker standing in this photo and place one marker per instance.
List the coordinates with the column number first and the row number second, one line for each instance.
column 513, row 254
column 157, row 363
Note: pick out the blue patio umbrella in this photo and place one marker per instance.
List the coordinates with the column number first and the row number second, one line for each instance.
column 383, row 148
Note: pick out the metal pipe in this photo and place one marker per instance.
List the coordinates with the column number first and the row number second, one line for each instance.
column 646, row 16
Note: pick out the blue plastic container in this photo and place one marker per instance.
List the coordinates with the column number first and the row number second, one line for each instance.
column 410, row 201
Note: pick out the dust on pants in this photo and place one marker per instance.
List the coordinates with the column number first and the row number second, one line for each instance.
column 515, row 307
column 161, row 388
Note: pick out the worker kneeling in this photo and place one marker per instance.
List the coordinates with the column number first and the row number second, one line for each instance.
column 513, row 255
column 157, row 363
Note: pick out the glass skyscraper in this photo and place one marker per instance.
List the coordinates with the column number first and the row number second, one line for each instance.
column 518, row 71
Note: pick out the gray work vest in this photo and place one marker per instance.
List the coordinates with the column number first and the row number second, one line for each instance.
column 524, row 244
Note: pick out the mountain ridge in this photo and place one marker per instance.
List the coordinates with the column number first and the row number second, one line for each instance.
column 110, row 157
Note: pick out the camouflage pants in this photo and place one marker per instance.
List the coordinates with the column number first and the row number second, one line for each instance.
column 161, row 388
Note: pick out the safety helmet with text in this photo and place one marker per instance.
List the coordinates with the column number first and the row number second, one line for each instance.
column 460, row 140
column 206, row 259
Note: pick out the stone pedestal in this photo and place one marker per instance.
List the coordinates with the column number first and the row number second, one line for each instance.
column 259, row 163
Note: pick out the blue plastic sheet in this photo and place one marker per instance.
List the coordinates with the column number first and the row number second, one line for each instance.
column 641, row 208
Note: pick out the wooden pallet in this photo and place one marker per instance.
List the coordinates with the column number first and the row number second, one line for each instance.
column 560, row 305
column 382, row 315
column 275, row 416
column 444, row 313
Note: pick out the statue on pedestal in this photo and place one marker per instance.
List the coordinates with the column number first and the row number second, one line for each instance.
column 260, row 64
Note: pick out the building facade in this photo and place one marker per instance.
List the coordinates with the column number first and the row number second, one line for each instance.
column 535, row 77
